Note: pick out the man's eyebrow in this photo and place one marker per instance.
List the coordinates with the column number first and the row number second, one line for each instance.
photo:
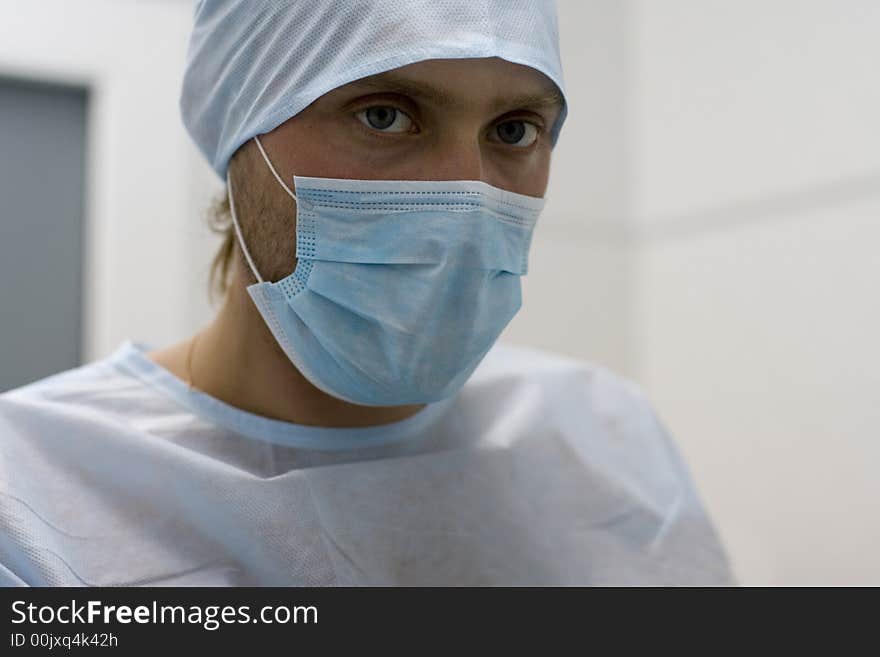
column 438, row 96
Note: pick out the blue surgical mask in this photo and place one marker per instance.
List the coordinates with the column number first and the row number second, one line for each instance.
column 401, row 287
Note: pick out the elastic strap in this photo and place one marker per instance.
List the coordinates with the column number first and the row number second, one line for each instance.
column 247, row 254
column 272, row 169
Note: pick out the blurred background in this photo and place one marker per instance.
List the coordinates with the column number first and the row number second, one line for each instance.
column 711, row 232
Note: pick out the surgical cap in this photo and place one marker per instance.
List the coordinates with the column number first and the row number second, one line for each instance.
column 253, row 64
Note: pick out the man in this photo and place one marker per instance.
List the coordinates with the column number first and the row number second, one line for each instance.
column 348, row 417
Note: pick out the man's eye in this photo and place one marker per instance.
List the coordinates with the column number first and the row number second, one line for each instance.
column 517, row 133
column 382, row 117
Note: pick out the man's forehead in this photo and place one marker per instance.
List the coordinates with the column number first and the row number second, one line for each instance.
column 538, row 92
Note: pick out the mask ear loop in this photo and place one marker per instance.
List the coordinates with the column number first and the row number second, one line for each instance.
column 247, row 254
column 281, row 182
column 272, row 169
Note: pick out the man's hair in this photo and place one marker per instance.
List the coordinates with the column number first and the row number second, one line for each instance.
column 220, row 222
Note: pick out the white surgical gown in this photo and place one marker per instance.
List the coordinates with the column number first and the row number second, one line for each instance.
column 541, row 471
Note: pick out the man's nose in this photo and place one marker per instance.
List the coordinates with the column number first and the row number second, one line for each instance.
column 457, row 158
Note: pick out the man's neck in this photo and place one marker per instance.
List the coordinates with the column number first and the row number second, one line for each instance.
column 236, row 359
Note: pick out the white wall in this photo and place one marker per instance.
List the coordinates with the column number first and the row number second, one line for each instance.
column 756, row 194
column 145, row 244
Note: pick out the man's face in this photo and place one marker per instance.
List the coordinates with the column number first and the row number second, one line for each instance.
column 442, row 119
